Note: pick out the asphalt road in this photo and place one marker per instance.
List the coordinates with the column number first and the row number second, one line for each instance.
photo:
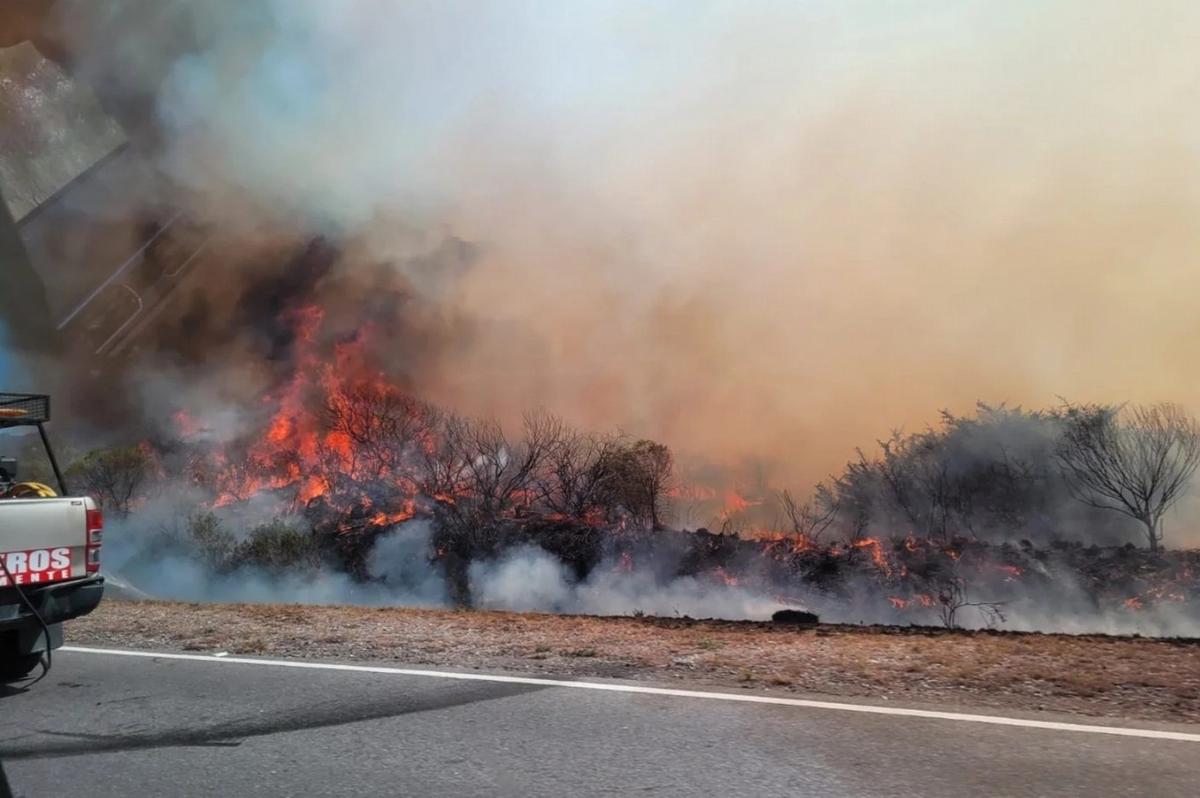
column 103, row 725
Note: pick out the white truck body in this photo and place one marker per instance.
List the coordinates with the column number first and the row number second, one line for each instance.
column 43, row 540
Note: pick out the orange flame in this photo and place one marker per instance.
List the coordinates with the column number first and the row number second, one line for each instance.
column 877, row 555
column 734, row 503
column 185, row 425
column 298, row 453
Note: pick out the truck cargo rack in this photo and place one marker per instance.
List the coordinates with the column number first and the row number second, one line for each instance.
column 23, row 409
column 31, row 410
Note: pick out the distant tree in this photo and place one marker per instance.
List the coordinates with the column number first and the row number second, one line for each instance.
column 921, row 483
column 1137, row 461
column 113, row 477
column 990, row 474
column 479, row 480
column 856, row 492
column 578, row 477
column 642, row 479
column 477, row 475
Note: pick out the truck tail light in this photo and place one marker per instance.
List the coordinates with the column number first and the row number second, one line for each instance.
column 95, row 536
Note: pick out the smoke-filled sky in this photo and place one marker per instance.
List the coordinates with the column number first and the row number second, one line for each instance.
column 746, row 228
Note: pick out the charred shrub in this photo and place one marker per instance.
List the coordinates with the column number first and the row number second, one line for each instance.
column 641, row 480
column 704, row 550
column 795, row 618
column 346, row 542
column 577, row 545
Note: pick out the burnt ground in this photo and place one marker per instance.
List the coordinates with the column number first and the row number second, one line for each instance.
column 1125, row 677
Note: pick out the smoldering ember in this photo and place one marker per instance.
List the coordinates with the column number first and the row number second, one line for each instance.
column 340, row 485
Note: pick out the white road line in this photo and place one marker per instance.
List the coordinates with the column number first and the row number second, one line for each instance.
column 662, row 691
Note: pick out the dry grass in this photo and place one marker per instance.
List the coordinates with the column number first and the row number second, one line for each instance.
column 1094, row 675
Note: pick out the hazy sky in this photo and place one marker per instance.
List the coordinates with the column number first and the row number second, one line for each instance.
column 779, row 228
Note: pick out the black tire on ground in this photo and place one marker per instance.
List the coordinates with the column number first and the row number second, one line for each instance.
column 18, row 666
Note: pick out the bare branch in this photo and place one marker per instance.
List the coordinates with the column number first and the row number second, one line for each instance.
column 1137, row 461
column 810, row 519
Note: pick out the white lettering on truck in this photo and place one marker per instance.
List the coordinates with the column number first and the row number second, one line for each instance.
column 36, row 566
column 60, row 558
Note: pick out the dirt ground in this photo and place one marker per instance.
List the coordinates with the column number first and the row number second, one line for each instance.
column 1090, row 675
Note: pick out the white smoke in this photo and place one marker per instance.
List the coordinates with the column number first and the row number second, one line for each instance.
column 403, row 572
column 684, row 209
column 530, row 579
column 154, row 552
column 150, row 554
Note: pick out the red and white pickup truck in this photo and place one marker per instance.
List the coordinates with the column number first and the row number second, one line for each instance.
column 49, row 551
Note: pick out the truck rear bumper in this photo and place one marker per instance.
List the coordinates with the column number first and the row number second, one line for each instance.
column 55, row 603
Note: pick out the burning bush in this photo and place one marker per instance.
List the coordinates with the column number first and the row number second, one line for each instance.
column 346, row 454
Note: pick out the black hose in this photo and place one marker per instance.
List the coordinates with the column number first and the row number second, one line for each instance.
column 33, row 611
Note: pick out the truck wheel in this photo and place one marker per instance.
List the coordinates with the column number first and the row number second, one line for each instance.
column 17, row 667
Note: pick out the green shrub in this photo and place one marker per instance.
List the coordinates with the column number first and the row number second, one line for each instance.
column 209, row 541
column 279, row 547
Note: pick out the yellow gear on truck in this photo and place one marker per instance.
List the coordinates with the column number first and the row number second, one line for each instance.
column 29, row 490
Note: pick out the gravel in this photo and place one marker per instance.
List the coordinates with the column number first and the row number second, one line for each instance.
column 1117, row 677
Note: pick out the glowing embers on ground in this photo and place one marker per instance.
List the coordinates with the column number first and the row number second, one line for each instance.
column 1172, row 587
column 726, row 578
column 920, row 600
